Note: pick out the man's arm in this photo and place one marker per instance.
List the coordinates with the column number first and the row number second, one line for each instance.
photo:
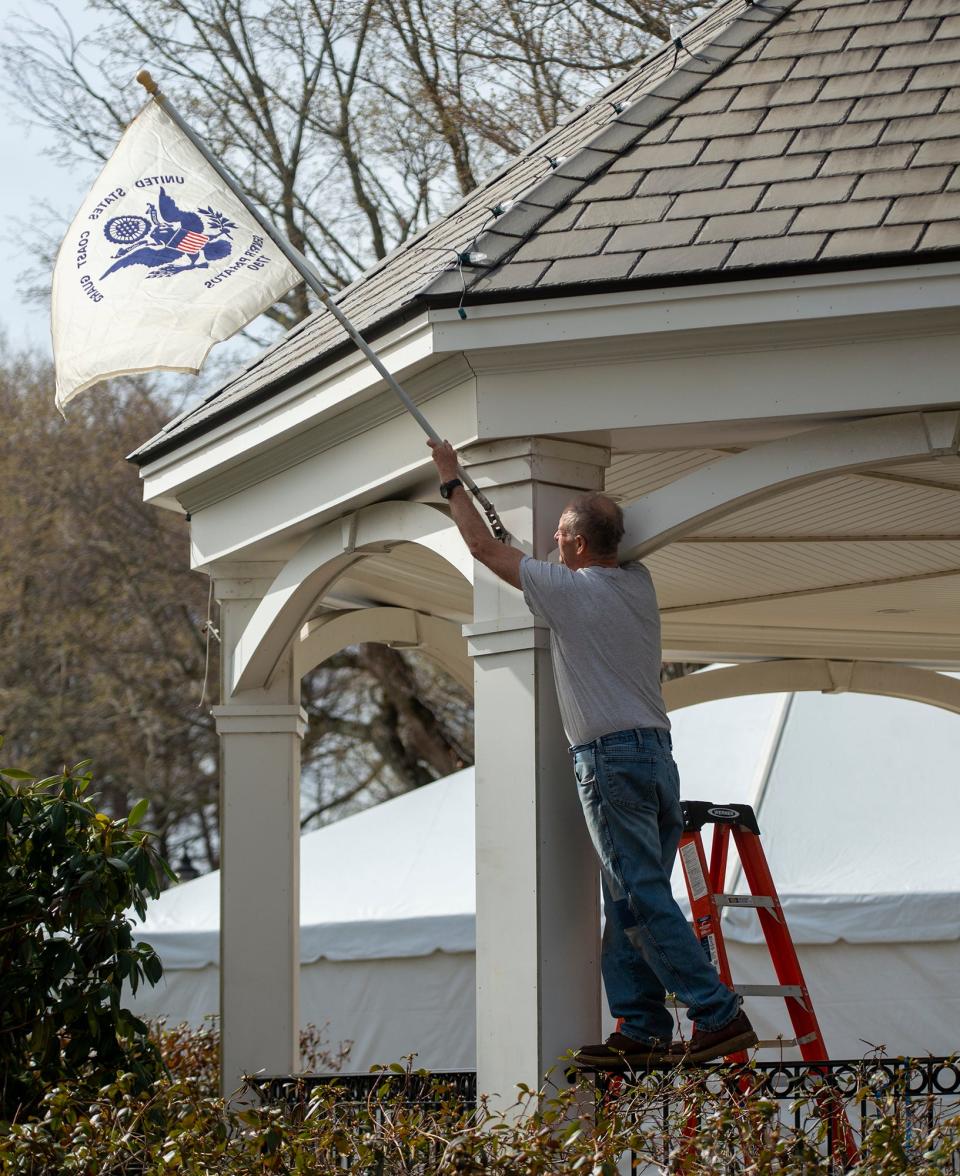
column 502, row 559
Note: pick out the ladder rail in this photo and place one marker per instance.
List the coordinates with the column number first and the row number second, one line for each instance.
column 780, row 944
column 704, row 882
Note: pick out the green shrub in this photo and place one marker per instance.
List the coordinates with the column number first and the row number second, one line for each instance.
column 68, row 874
column 679, row 1122
column 191, row 1052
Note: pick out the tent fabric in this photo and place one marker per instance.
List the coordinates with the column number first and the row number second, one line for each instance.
column 858, row 815
column 902, row 997
column 858, row 819
column 858, row 810
column 386, row 1010
column 393, row 881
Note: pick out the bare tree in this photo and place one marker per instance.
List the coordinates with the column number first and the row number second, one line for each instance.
column 380, row 722
column 100, row 617
column 350, row 122
column 101, row 624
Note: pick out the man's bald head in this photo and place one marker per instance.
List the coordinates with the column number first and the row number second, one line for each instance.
column 599, row 520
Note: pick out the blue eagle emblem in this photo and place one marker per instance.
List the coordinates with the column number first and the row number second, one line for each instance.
column 168, row 240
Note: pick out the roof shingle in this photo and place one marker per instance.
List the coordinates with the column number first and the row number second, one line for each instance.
column 788, row 133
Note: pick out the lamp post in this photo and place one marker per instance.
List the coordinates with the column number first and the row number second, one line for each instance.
column 186, row 870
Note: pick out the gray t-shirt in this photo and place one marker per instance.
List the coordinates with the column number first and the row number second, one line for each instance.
column 605, row 641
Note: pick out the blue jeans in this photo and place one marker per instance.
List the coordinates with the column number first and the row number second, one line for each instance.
column 630, row 791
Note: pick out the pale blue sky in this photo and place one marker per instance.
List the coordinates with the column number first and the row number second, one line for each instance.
column 29, row 175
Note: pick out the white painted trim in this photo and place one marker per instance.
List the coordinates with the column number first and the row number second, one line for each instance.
column 718, row 489
column 402, row 628
column 321, row 559
column 710, row 305
column 260, row 719
column 801, row 593
column 687, row 639
column 724, row 306
column 506, row 634
column 312, row 399
column 829, row 677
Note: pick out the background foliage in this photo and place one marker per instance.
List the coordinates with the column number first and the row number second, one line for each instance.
column 68, row 875
column 101, row 622
column 410, row 1126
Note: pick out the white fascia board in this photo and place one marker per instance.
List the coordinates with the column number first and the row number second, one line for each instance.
column 711, row 305
column 562, row 321
column 307, row 402
column 282, row 506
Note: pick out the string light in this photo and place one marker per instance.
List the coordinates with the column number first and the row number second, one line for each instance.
column 469, row 257
column 208, row 631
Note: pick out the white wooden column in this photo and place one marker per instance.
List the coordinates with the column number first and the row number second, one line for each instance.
column 538, row 986
column 260, row 733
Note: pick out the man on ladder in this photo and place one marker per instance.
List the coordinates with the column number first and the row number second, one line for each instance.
column 605, row 645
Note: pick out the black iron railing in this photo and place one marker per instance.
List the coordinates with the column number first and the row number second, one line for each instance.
column 411, row 1088
column 833, row 1103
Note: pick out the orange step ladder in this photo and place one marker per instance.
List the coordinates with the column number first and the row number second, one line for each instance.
column 705, row 889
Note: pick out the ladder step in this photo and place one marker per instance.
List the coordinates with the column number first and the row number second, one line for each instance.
column 793, row 990
column 786, row 1042
column 744, row 900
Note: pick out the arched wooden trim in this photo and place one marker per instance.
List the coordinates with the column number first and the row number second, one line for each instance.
column 729, row 483
column 318, row 563
column 402, row 628
column 829, row 677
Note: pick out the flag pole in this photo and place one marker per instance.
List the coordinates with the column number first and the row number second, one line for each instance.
column 315, row 282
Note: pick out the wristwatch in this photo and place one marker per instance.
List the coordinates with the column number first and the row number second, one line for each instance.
column 447, row 488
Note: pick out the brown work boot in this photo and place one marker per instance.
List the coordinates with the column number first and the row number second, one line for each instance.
column 621, row 1053
column 705, row 1045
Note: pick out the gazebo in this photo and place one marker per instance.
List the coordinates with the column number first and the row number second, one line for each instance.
column 726, row 291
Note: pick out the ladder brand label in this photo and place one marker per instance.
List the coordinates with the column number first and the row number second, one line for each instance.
column 723, row 812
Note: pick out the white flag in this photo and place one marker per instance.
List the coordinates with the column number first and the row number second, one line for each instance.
column 161, row 262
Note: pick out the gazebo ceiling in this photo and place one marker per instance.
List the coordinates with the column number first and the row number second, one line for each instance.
column 863, row 562
column 870, row 559
column 407, row 577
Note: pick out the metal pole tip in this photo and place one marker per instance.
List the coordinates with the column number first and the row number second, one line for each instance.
column 146, row 80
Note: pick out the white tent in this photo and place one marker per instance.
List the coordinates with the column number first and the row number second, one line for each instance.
column 386, row 940
column 858, row 807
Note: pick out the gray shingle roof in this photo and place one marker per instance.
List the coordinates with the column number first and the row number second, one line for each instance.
column 782, row 133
